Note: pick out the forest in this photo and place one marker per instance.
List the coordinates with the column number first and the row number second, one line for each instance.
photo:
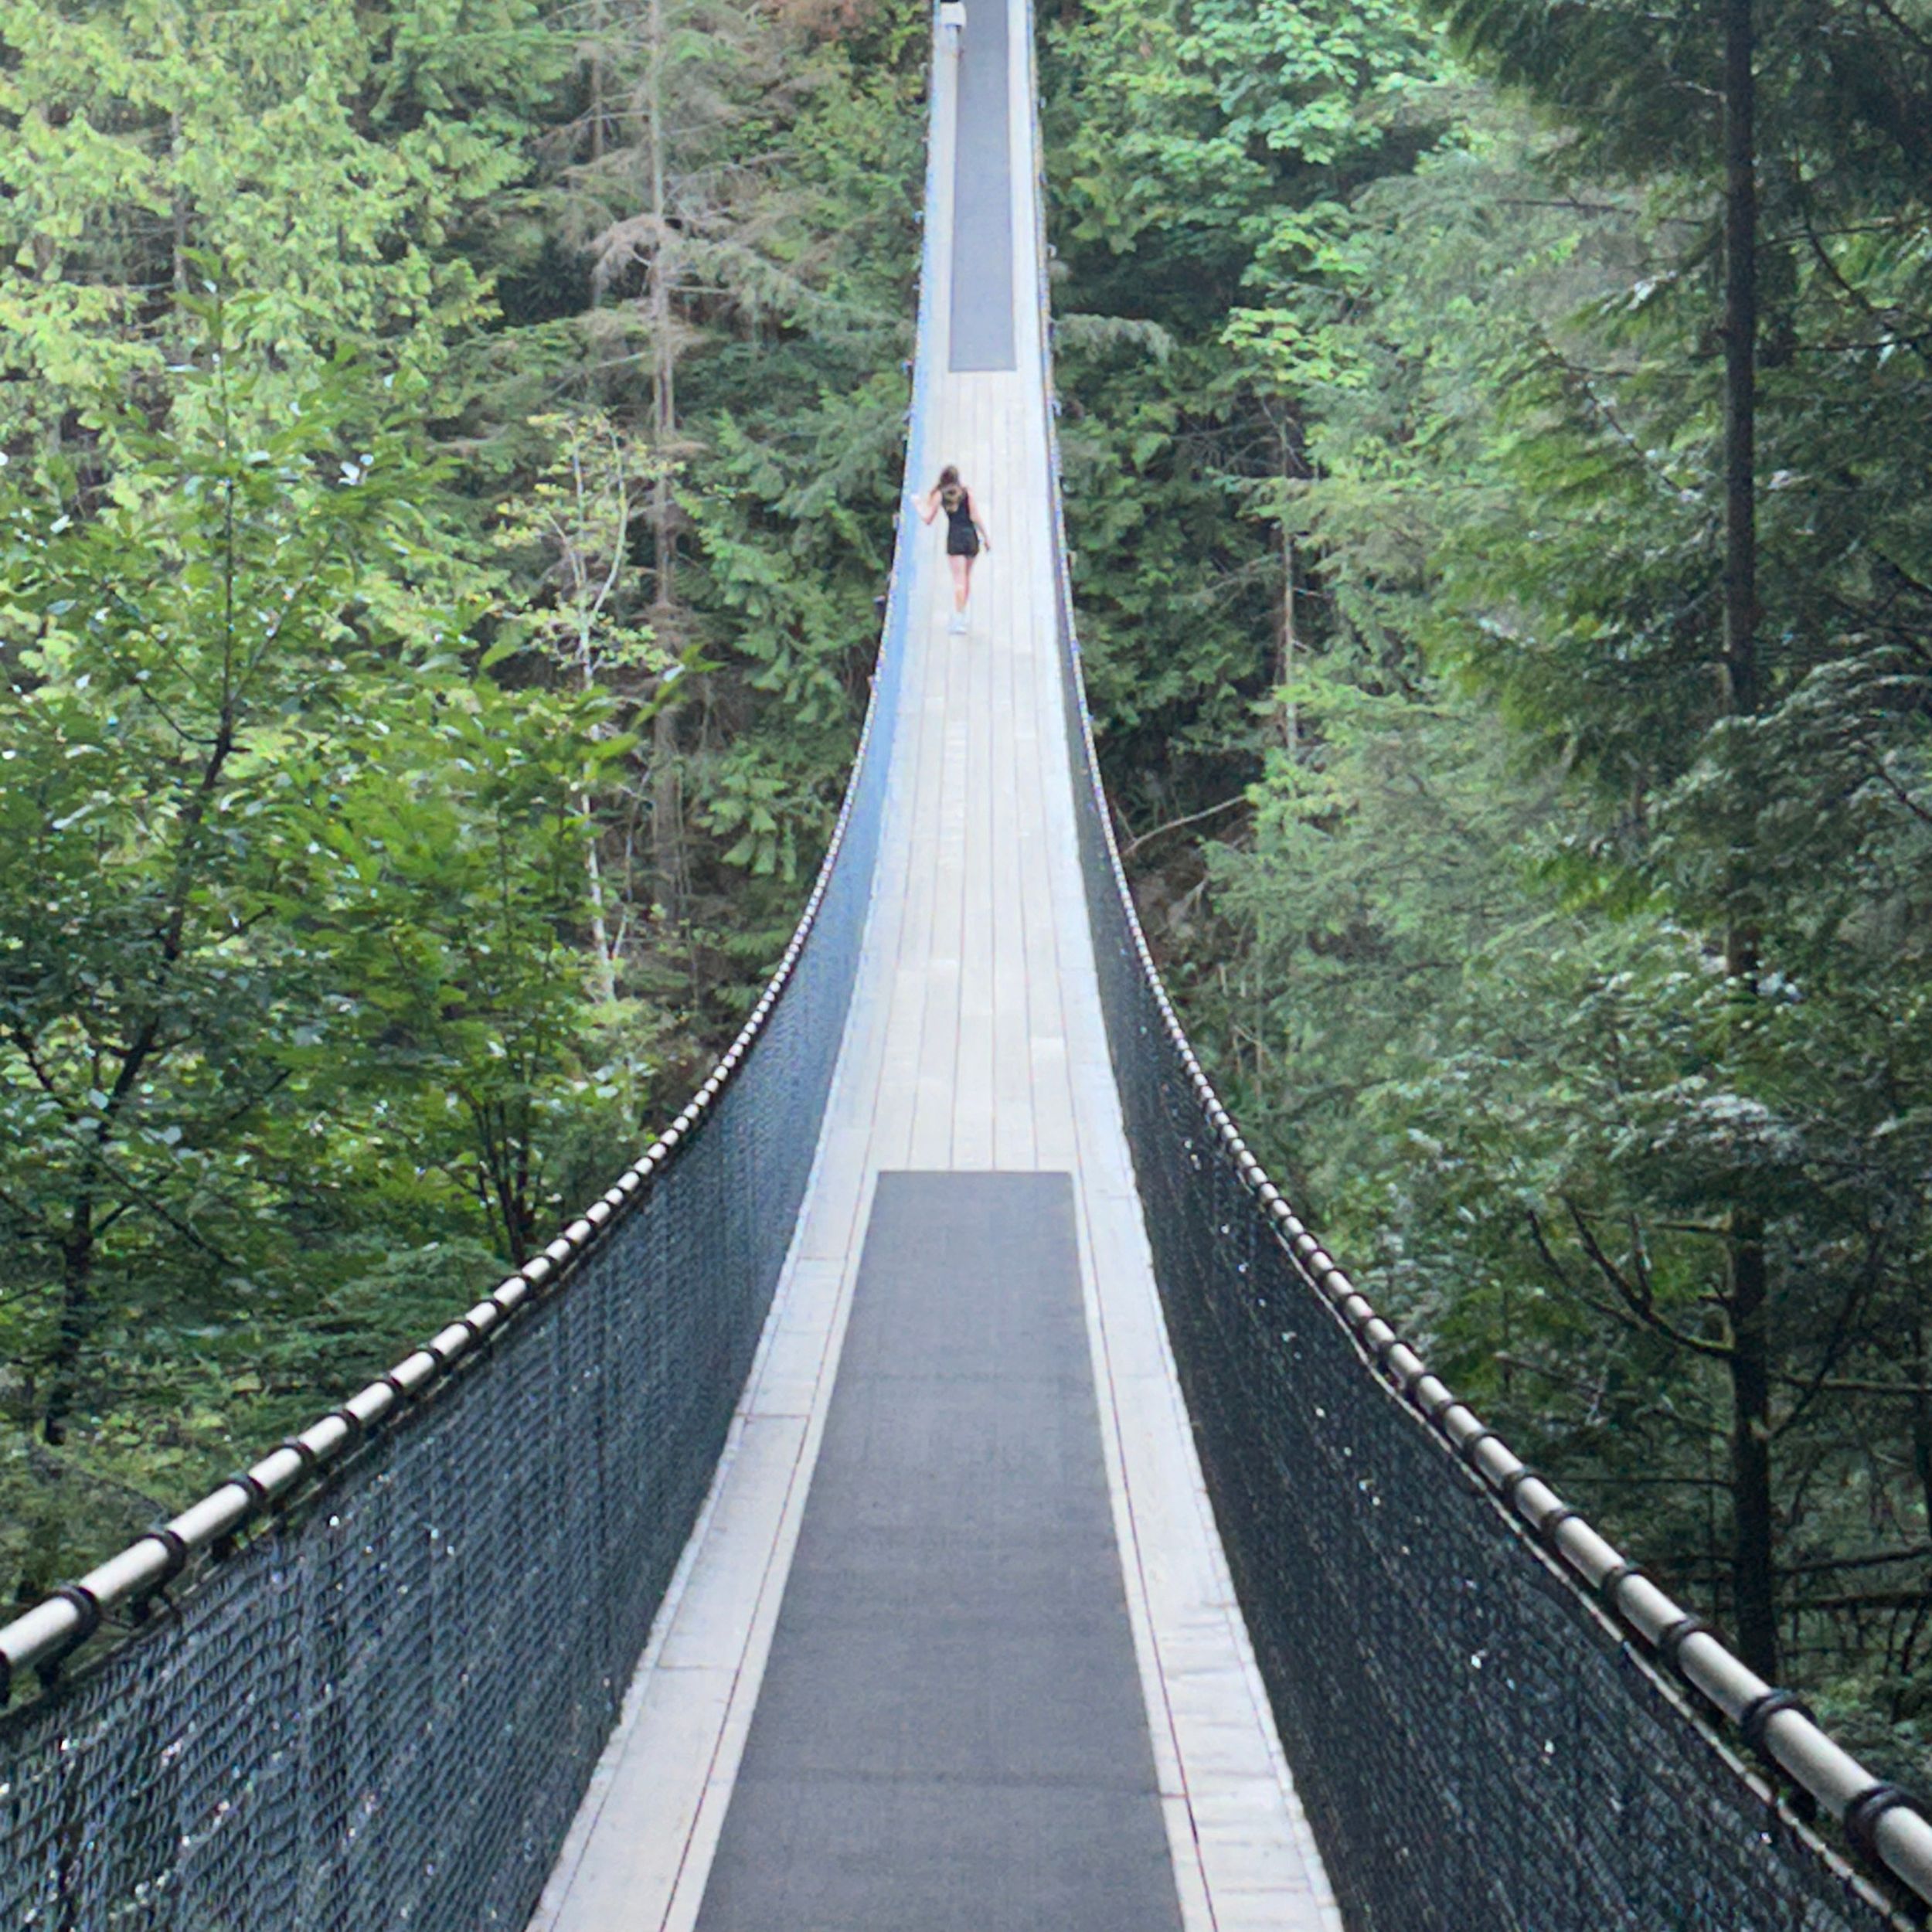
column 450, row 454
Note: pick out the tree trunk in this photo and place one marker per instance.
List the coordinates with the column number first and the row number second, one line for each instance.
column 1290, row 718
column 1753, row 1581
column 667, row 791
column 77, row 1312
column 606, row 969
column 1754, row 1528
column 1922, row 1423
column 1740, row 364
column 594, row 81
column 667, row 814
column 177, row 209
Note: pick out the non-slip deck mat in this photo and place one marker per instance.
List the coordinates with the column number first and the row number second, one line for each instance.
column 982, row 305
column 950, row 1736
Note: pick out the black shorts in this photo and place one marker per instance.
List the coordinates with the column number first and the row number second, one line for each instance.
column 962, row 543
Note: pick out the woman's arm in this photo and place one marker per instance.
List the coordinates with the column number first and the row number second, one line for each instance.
column 977, row 511
column 926, row 505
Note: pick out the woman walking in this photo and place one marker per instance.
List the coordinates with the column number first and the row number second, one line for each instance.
column 965, row 535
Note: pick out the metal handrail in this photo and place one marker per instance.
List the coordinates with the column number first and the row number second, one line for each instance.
column 1882, row 1822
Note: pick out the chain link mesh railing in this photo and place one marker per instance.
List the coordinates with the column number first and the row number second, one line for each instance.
column 1481, row 1743
column 381, row 1707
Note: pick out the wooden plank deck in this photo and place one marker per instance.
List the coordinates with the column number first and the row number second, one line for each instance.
column 976, row 1044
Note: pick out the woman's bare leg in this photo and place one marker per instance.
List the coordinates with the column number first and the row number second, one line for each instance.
column 962, row 580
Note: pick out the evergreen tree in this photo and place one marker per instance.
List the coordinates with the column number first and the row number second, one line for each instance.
column 1572, row 961
column 1204, row 144
column 332, row 157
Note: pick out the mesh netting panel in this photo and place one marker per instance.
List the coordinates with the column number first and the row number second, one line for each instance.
column 383, row 1711
column 1477, row 1750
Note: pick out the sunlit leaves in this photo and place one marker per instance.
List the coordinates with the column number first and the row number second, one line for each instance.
column 290, row 892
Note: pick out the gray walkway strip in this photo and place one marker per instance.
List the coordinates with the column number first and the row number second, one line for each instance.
column 982, row 277
column 951, row 1735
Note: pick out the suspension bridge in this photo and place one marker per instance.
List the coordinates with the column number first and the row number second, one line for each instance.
column 942, row 1484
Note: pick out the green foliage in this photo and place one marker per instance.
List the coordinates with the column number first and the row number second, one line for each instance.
column 351, row 670
column 327, row 155
column 288, row 891
column 1462, row 971
column 1201, row 152
column 737, row 180
column 454, row 847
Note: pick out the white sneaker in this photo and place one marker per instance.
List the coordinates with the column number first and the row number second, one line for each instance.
column 957, row 626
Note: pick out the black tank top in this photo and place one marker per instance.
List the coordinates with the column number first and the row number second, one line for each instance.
column 957, row 504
